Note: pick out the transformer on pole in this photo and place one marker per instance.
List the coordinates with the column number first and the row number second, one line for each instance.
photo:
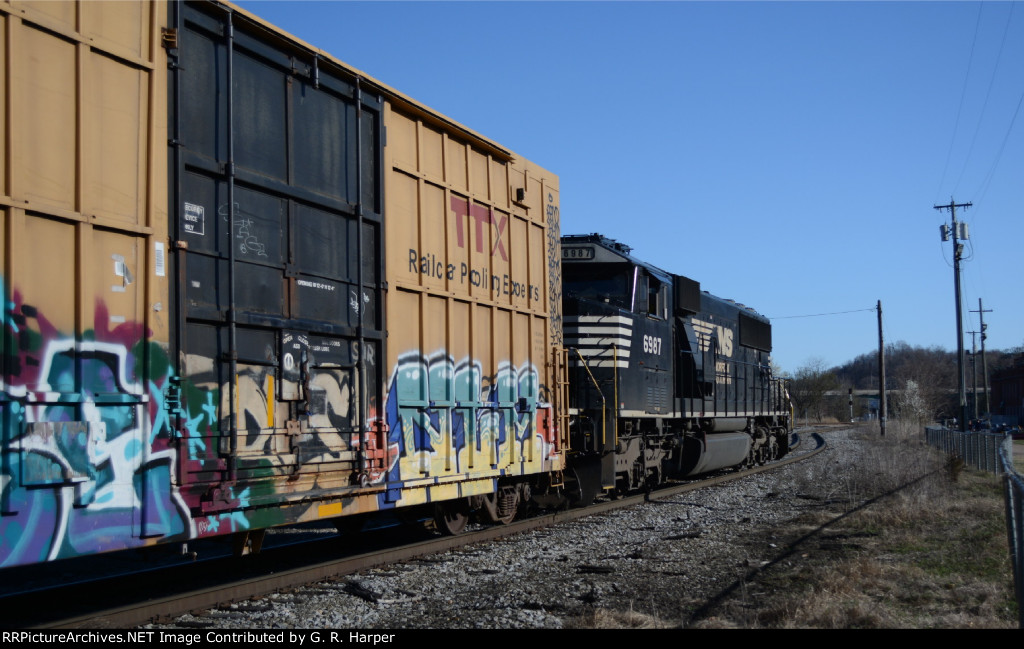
column 958, row 232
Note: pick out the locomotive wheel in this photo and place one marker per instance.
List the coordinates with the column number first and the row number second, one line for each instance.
column 451, row 517
column 782, row 441
column 587, row 478
column 620, row 490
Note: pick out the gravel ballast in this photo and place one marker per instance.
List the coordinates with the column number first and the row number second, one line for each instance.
column 656, row 564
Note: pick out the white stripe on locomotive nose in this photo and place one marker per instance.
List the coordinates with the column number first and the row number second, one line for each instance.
column 622, row 353
column 591, row 340
column 600, row 319
column 619, row 364
column 607, row 331
column 603, row 341
column 602, row 335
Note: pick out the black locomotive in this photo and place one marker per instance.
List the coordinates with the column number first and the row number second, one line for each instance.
column 665, row 380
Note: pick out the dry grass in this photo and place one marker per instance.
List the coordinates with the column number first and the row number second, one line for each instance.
column 603, row 618
column 893, row 536
column 903, row 539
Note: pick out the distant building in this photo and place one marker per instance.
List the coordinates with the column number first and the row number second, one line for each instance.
column 1008, row 392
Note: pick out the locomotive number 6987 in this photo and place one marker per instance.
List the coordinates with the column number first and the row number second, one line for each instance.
column 652, row 344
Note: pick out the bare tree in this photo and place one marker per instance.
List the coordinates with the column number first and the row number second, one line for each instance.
column 810, row 384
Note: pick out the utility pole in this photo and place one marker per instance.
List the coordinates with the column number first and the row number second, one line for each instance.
column 959, row 231
column 882, row 410
column 984, row 361
column 974, row 372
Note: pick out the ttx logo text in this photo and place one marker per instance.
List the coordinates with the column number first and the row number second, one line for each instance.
column 479, row 217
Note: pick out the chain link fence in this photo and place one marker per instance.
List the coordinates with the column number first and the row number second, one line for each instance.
column 992, row 452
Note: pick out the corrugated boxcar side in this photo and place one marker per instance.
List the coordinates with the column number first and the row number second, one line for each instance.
column 86, row 466
column 472, row 239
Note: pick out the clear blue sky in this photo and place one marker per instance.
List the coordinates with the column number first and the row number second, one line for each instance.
column 787, row 155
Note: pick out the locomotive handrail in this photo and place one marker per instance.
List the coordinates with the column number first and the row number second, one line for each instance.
column 615, row 393
column 604, row 403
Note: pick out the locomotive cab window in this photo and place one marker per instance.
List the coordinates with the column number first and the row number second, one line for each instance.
column 649, row 295
column 598, row 282
column 657, row 293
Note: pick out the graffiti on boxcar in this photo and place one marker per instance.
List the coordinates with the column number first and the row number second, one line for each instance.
column 554, row 271
column 254, row 387
column 249, row 241
column 87, row 462
column 245, row 229
column 322, row 401
column 198, row 420
column 446, row 417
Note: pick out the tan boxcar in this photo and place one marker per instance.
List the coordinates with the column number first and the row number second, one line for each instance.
column 246, row 285
column 472, row 304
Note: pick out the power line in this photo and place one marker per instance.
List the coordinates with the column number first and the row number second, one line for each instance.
column 991, row 82
column 963, row 93
column 817, row 315
column 992, row 170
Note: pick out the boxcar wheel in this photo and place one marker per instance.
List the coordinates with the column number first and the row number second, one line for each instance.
column 500, row 508
column 451, row 517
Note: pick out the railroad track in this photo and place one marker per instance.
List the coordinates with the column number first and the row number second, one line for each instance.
column 200, row 585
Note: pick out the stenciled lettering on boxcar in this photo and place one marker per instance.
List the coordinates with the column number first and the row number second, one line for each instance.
column 88, row 462
column 480, row 218
column 448, row 417
column 430, row 265
column 474, row 226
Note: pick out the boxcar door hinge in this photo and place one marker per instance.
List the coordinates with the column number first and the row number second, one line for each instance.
column 172, row 396
column 169, row 38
